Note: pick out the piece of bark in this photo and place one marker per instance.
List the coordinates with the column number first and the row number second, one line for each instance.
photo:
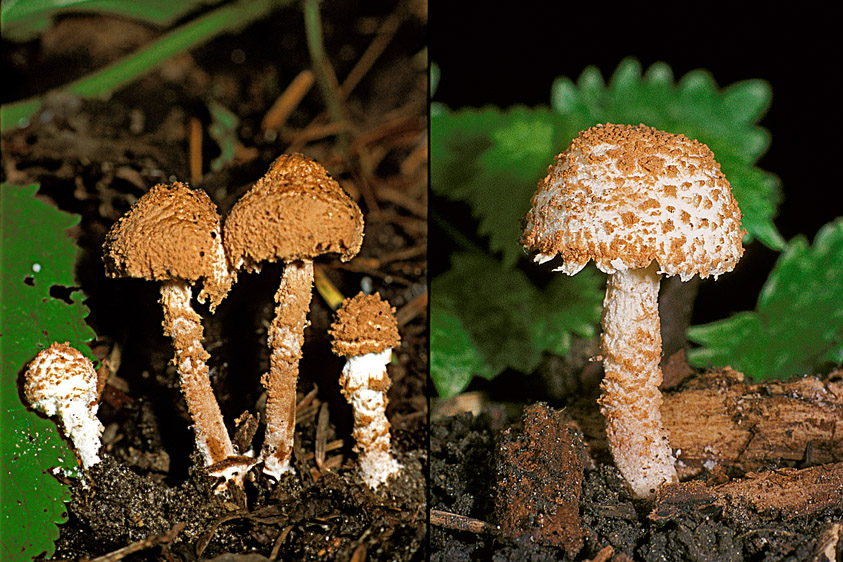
column 717, row 420
column 539, row 471
column 786, row 493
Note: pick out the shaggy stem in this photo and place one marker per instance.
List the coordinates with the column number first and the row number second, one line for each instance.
column 631, row 400
column 364, row 383
column 286, row 336
column 184, row 326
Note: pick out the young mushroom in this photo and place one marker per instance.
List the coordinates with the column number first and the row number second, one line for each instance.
column 641, row 203
column 61, row 381
column 172, row 235
column 294, row 213
column 365, row 332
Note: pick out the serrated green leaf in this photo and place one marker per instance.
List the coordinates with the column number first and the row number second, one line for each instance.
column 797, row 325
column 497, row 319
column 35, row 255
column 475, row 157
column 490, row 159
column 456, row 359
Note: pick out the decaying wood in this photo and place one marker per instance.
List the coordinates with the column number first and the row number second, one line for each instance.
column 785, row 493
column 719, row 420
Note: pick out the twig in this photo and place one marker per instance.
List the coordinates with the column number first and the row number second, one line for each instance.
column 288, row 101
column 386, row 32
column 412, row 309
column 401, row 199
column 300, row 462
column 195, row 151
column 403, row 254
column 321, row 435
column 305, row 402
column 148, row 542
column 281, row 538
column 416, row 160
column 459, row 522
column 266, row 516
column 316, row 131
column 327, row 290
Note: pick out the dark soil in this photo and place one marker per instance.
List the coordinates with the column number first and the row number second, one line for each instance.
column 518, row 476
column 95, row 158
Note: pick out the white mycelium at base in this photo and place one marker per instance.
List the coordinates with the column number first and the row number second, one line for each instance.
column 364, row 379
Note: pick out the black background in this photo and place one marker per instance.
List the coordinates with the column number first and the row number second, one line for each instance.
column 510, row 54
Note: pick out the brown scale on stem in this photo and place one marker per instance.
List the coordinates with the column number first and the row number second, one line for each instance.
column 172, row 234
column 640, row 203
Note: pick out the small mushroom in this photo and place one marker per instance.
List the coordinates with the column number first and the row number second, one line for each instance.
column 641, row 203
column 294, row 213
column 172, row 235
column 61, row 381
column 365, row 332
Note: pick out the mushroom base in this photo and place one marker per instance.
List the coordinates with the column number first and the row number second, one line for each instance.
column 631, row 400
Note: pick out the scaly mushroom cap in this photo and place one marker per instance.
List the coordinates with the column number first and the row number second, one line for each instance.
column 624, row 196
column 58, row 376
column 364, row 324
column 172, row 232
column 297, row 211
column 61, row 381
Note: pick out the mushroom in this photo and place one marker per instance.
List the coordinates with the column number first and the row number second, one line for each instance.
column 294, row 213
column 641, row 203
column 365, row 332
column 61, row 381
column 172, row 235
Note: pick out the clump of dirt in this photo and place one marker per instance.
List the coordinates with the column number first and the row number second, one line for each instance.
column 95, row 158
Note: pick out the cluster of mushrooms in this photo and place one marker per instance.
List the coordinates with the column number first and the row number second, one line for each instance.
column 638, row 201
column 173, row 235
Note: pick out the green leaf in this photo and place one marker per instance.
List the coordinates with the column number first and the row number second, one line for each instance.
column 227, row 18
column 456, row 359
column 25, row 19
column 486, row 318
column 492, row 159
column 797, row 325
column 35, row 255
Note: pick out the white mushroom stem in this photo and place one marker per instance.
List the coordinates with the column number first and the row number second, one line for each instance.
column 286, row 337
column 364, row 383
column 631, row 400
column 184, row 326
column 61, row 381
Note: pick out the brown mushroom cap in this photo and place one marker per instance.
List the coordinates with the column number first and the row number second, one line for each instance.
column 364, row 324
column 172, row 232
column 297, row 211
column 627, row 195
